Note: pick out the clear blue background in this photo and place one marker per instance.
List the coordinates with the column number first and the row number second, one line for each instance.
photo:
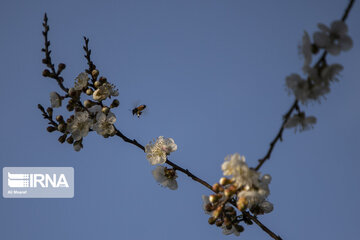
column 212, row 74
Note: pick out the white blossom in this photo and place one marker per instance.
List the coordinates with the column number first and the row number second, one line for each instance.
column 55, row 100
column 330, row 72
column 305, row 90
column 104, row 123
column 157, row 151
column 256, row 196
column 166, row 177
column 95, row 109
column 80, row 126
column 305, row 50
column 81, row 81
column 300, row 122
column 104, row 91
column 266, row 207
column 236, row 166
column 299, row 87
column 333, row 39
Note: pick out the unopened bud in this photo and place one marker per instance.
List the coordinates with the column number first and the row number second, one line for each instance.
column 227, row 223
column 72, row 92
column 88, row 103
column 70, row 107
column 49, row 110
column 46, row 73
column 314, row 48
column 217, row 211
column 70, row 119
column 78, row 145
column 211, row 220
column 115, row 103
column 62, row 127
column 62, row 138
column 61, row 66
column 225, row 181
column 102, row 80
column 105, row 110
column 217, row 188
column 60, row 118
column 242, row 203
column 51, row 129
column 70, row 140
column 209, row 207
column 89, row 91
column 228, row 192
column 214, row 197
column 95, row 73
column 97, row 84
column 219, row 222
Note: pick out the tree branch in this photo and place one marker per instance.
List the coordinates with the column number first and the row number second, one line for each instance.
column 295, row 105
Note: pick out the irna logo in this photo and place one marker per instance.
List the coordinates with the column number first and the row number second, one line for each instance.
column 38, row 182
column 20, row 180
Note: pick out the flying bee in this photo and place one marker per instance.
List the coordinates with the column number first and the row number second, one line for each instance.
column 138, row 110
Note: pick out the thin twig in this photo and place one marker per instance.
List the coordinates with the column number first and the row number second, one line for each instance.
column 88, row 58
column 295, row 105
column 197, row 179
column 47, row 60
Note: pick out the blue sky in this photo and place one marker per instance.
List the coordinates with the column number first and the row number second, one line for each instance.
column 213, row 76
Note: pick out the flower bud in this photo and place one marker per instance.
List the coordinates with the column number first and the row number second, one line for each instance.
column 62, row 127
column 209, row 207
column 61, row 79
column 314, row 48
column 46, row 73
column 227, row 223
column 89, row 91
column 72, row 92
column 105, row 110
column 88, row 103
column 78, row 145
column 60, row 118
column 70, row 140
column 70, row 119
column 115, row 103
column 217, row 188
column 215, row 197
column 50, row 128
column 62, row 138
column 219, row 222
column 97, row 84
column 95, row 73
column 217, row 211
column 242, row 203
column 61, row 66
column 225, row 181
column 229, row 191
column 211, row 220
column 70, row 107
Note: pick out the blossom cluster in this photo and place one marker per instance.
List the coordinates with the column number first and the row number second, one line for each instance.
column 244, row 188
column 156, row 153
column 89, row 114
column 318, row 78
